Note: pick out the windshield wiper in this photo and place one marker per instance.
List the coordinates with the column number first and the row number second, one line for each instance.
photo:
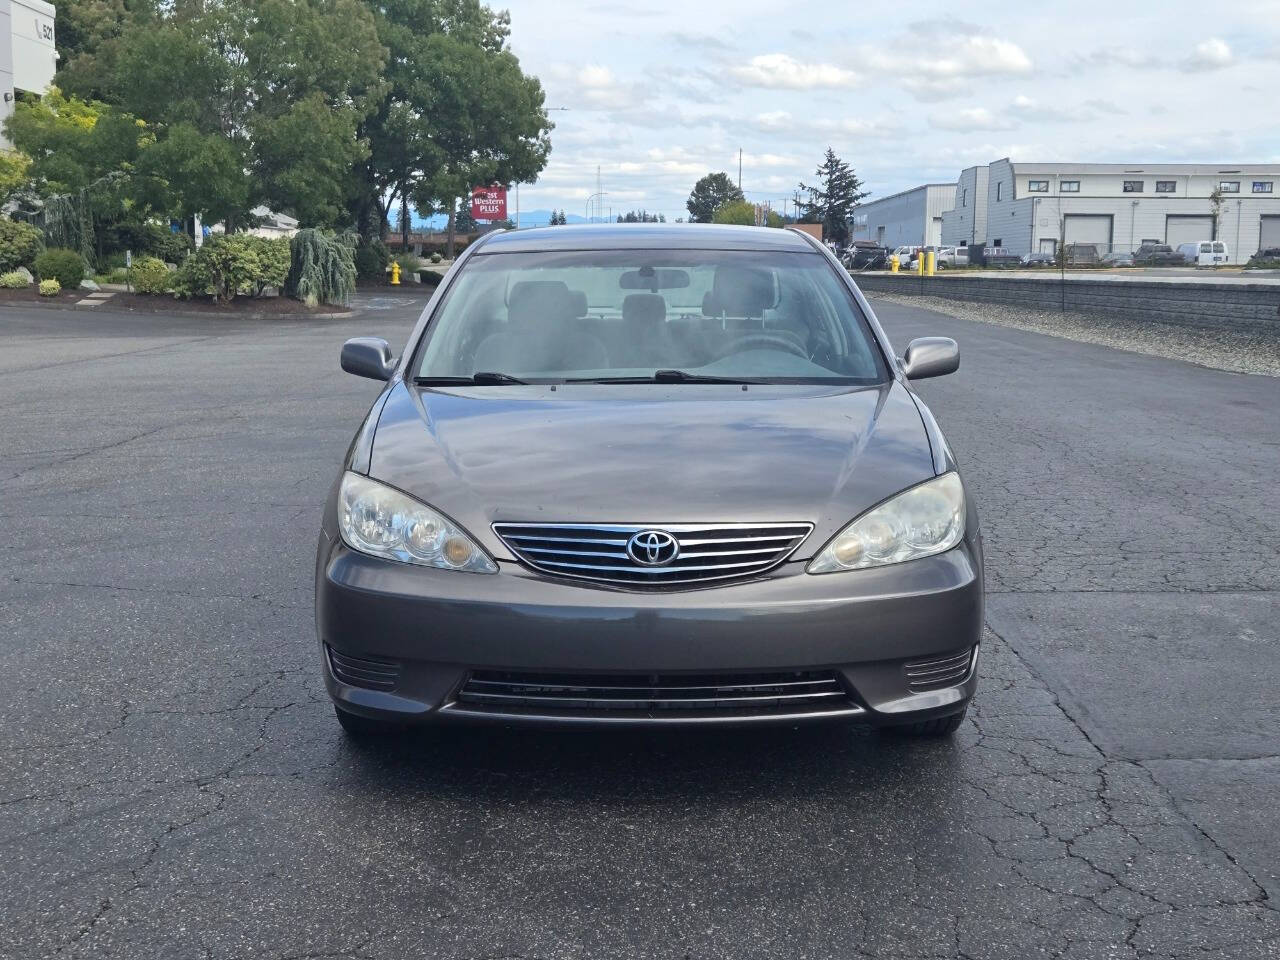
column 480, row 377
column 670, row 376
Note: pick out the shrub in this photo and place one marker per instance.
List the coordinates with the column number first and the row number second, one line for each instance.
column 49, row 288
column 371, row 258
column 436, row 258
column 20, row 244
column 229, row 265
column 13, row 280
column 322, row 267
column 65, row 266
column 150, row 275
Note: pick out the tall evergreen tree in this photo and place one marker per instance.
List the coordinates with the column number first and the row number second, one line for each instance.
column 832, row 200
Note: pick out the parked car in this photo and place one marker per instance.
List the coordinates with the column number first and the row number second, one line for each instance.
column 994, row 256
column 1039, row 260
column 1118, row 258
column 1082, row 254
column 905, row 254
column 952, row 257
column 622, row 476
column 865, row 255
column 1204, row 253
column 1158, row 255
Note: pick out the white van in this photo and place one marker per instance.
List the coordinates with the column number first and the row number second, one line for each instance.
column 1205, row 253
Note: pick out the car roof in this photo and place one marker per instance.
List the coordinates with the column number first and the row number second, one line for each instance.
column 644, row 236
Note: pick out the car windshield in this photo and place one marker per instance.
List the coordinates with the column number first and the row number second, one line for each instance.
column 749, row 316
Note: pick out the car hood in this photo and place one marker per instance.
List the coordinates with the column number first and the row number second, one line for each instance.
column 651, row 454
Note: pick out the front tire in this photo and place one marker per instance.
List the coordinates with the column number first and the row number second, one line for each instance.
column 366, row 728
column 936, row 728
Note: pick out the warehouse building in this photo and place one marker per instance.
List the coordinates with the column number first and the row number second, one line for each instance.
column 966, row 222
column 1116, row 206
column 27, row 54
column 910, row 218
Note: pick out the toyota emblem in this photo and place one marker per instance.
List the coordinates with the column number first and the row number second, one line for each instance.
column 653, row 548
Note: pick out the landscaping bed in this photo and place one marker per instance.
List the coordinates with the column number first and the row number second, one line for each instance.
column 29, row 295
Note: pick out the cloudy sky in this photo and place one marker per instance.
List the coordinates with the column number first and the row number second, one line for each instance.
column 659, row 93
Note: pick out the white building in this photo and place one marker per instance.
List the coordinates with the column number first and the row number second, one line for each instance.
column 910, row 218
column 27, row 54
column 1119, row 206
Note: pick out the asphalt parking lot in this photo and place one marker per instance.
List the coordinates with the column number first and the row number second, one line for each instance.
column 175, row 785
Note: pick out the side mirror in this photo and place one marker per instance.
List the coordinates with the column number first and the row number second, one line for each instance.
column 368, row 357
column 930, row 357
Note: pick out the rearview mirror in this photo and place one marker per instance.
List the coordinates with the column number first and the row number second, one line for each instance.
column 368, row 357
column 930, row 357
column 647, row 278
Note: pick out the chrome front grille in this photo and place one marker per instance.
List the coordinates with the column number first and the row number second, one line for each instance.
column 655, row 696
column 711, row 551
column 925, row 675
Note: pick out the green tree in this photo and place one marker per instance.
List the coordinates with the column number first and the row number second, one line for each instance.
column 831, row 202
column 284, row 84
column 736, row 211
column 14, row 172
column 465, row 222
column 709, row 194
column 459, row 110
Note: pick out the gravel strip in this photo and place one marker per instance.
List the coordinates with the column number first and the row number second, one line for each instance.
column 1228, row 348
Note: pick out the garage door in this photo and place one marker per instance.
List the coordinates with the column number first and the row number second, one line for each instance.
column 1088, row 228
column 1183, row 229
column 1270, row 233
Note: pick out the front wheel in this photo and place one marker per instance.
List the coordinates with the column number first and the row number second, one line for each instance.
column 365, row 728
column 937, row 727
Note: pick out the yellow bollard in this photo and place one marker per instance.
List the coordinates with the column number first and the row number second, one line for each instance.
column 920, row 264
column 395, row 274
column 931, row 264
column 893, row 263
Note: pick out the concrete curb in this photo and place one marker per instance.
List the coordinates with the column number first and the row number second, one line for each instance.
column 106, row 306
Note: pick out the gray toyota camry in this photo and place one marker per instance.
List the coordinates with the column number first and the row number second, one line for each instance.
column 649, row 475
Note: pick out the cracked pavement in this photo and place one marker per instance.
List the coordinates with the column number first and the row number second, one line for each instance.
column 175, row 785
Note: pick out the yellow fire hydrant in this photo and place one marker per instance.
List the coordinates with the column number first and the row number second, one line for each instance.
column 395, row 274
column 893, row 263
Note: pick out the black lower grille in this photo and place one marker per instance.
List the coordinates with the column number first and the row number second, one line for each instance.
column 926, row 675
column 367, row 672
column 656, row 696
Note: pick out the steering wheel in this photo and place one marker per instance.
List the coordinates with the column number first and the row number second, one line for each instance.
column 767, row 340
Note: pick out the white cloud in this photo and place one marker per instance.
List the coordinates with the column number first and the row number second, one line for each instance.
column 1115, row 56
column 970, row 119
column 779, row 71
column 933, row 60
column 1211, row 54
column 781, row 121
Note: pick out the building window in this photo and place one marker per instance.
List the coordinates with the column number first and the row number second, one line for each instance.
column 1229, row 186
column 1134, row 186
column 1068, row 186
column 1263, row 186
column 997, row 242
column 1037, row 186
column 999, row 184
column 964, row 198
column 1166, row 186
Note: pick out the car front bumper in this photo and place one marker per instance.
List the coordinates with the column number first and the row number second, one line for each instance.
column 867, row 628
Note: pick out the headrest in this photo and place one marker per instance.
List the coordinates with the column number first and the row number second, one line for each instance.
column 542, row 300
column 644, row 308
column 740, row 292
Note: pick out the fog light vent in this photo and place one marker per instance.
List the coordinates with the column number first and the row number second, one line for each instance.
column 367, row 672
column 926, row 675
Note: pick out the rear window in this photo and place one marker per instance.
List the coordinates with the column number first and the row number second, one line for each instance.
column 618, row 314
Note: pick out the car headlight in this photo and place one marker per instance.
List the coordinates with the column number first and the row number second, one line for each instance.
column 382, row 521
column 919, row 522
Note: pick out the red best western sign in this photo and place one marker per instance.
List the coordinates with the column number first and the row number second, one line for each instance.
column 489, row 203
